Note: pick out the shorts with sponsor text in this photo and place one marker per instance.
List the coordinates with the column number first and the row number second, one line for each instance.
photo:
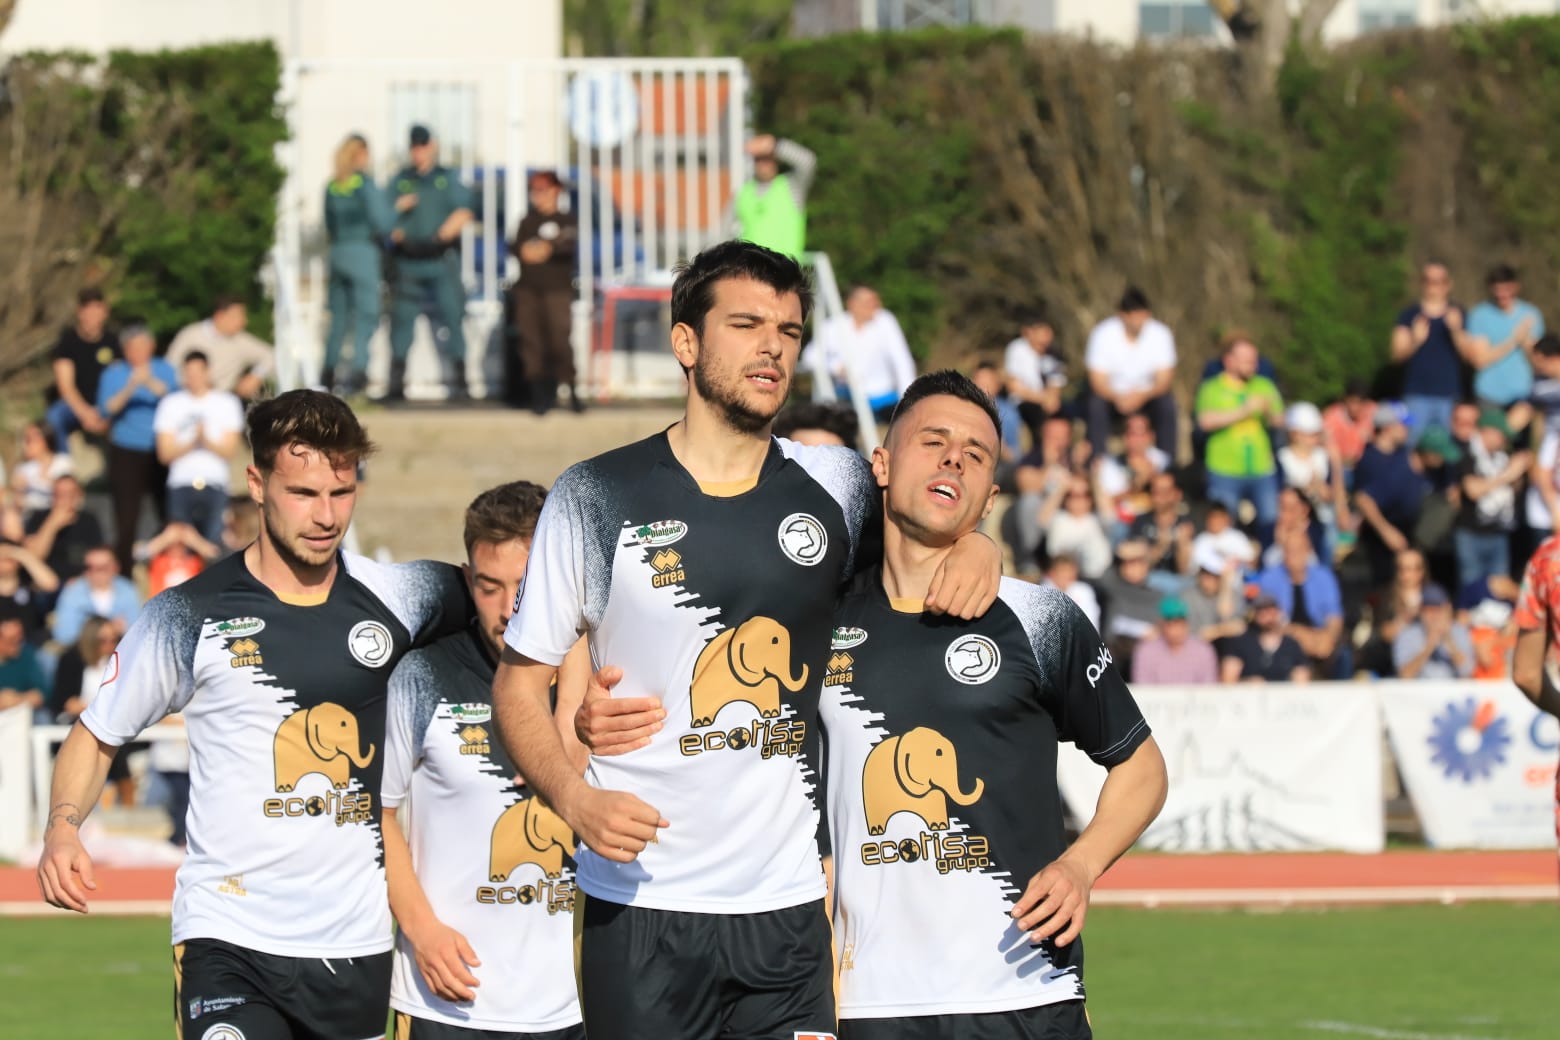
column 671, row 973
column 408, row 1027
column 226, row 992
column 1063, row 1021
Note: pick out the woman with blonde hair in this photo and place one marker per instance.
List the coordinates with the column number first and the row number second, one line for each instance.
column 357, row 218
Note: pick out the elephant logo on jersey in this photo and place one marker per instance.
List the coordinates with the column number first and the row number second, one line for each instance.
column 529, row 832
column 972, row 659
column 747, row 663
column 803, row 539
column 322, row 739
column 915, row 773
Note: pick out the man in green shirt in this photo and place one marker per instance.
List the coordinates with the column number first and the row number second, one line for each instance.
column 771, row 209
column 432, row 206
column 1235, row 408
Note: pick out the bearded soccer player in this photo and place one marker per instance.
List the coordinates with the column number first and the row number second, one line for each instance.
column 279, row 658
column 482, row 873
column 704, row 562
column 1538, row 631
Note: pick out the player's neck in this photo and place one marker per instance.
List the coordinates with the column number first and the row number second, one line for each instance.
column 712, row 450
column 908, row 565
column 287, row 578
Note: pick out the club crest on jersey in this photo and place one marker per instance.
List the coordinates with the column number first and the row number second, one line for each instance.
column 223, row 1032
column 471, row 712
column 246, row 653
column 917, row 772
column 841, row 669
column 661, row 532
column 370, row 643
column 668, row 568
column 803, row 539
column 235, row 628
column 846, row 637
column 972, row 659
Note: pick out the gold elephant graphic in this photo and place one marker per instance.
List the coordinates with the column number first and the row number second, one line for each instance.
column 747, row 663
column 917, row 772
column 322, row 739
column 529, row 832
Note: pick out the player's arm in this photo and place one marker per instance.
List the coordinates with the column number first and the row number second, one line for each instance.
column 966, row 583
column 65, row 873
column 443, row 955
column 573, row 680
column 1527, row 669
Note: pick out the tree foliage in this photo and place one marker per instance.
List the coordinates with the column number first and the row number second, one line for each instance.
column 672, row 28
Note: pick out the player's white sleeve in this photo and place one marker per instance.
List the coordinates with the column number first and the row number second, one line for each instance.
column 550, row 610
column 408, row 710
column 427, row 597
column 150, row 675
column 847, row 477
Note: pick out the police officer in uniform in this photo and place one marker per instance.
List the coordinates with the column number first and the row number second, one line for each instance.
column 432, row 206
column 357, row 218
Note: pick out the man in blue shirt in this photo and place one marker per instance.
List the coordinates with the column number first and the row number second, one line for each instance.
column 1502, row 331
column 127, row 397
column 1308, row 594
column 1430, row 342
column 1388, row 490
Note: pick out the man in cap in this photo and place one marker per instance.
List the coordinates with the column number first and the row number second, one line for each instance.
column 432, row 207
column 1388, row 490
column 546, row 244
column 1176, row 654
column 1264, row 653
column 1435, row 645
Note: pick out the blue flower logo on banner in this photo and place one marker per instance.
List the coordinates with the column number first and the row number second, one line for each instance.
column 1469, row 739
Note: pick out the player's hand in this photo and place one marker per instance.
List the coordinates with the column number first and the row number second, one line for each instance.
column 615, row 825
column 1055, row 902
column 609, row 726
column 65, row 873
column 966, row 583
column 445, row 959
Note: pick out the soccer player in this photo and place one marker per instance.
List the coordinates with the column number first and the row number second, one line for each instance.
column 487, row 884
column 1538, row 631
column 704, row 562
column 279, row 658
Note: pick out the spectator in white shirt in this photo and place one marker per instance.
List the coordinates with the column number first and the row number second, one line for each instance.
column 239, row 362
column 864, row 349
column 197, row 436
column 1131, row 362
column 1063, row 576
column 1035, row 375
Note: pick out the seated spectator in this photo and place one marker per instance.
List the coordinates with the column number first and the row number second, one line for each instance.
column 174, row 556
column 1131, row 603
column 76, row 683
column 815, row 423
column 1235, row 409
column 22, row 679
column 25, row 583
column 1307, row 593
column 1062, row 575
column 127, row 397
column 1215, row 608
column 78, row 359
column 1543, row 493
column 1351, row 422
column 34, row 477
column 1130, row 360
column 1123, row 480
column 1167, row 532
column 1464, row 425
column 1430, row 343
column 239, row 363
column 1501, row 332
column 988, row 377
column 1220, row 540
column 1175, row 655
column 1395, row 608
column 1439, row 456
column 100, row 592
column 242, row 525
column 1073, row 526
column 1435, row 646
column 863, row 348
column 1311, row 464
column 1388, row 490
column 1049, row 466
column 1294, row 514
column 1488, row 478
column 64, row 535
column 1492, row 629
column 198, row 433
column 1264, row 653
column 1035, row 376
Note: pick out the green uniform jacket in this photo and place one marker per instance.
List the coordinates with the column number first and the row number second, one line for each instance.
column 439, row 193
column 357, row 212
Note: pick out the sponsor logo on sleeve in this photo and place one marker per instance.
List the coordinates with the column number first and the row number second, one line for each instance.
column 803, row 539
column 1096, row 671
column 972, row 659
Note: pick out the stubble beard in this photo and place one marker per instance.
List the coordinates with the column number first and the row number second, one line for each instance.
column 727, row 400
column 292, row 556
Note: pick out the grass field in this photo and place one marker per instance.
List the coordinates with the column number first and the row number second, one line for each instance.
column 1475, row 972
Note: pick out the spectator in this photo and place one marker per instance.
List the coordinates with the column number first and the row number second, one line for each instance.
column 175, row 555
column 1388, row 490
column 22, row 679
column 988, row 377
column 78, row 359
column 1430, row 343
column 242, row 526
column 1350, row 422
column 1435, row 646
column 1543, row 494
column 1064, row 577
column 76, row 682
column 1130, row 360
column 1439, row 456
column 357, row 219
column 34, row 477
column 1235, row 409
column 128, row 396
column 1040, row 474
column 1488, row 608
column 197, row 436
column 1501, row 333
column 863, row 350
column 1124, row 480
column 1312, row 465
column 1308, row 595
column 1035, row 376
column 1465, row 424
column 1175, row 655
column 1213, row 603
column 547, row 246
column 815, row 423
column 1396, row 607
column 1131, row 604
column 1220, row 541
column 771, row 209
column 1073, row 526
column 100, row 592
column 1264, row 653
column 1167, row 532
column 1488, row 478
column 238, row 362
column 26, row 583
column 1294, row 514
column 64, row 535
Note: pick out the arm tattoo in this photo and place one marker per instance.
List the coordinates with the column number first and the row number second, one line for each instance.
column 59, row 812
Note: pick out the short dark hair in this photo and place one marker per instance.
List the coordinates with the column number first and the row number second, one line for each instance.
column 1500, row 273
column 693, row 293
column 87, row 295
column 953, row 384
column 838, row 419
column 224, row 301
column 1548, row 345
column 987, row 365
column 196, row 355
column 311, row 418
column 1033, row 317
column 1134, row 299
column 504, row 513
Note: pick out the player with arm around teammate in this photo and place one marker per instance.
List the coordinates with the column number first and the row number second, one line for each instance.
column 482, row 873
column 279, row 658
